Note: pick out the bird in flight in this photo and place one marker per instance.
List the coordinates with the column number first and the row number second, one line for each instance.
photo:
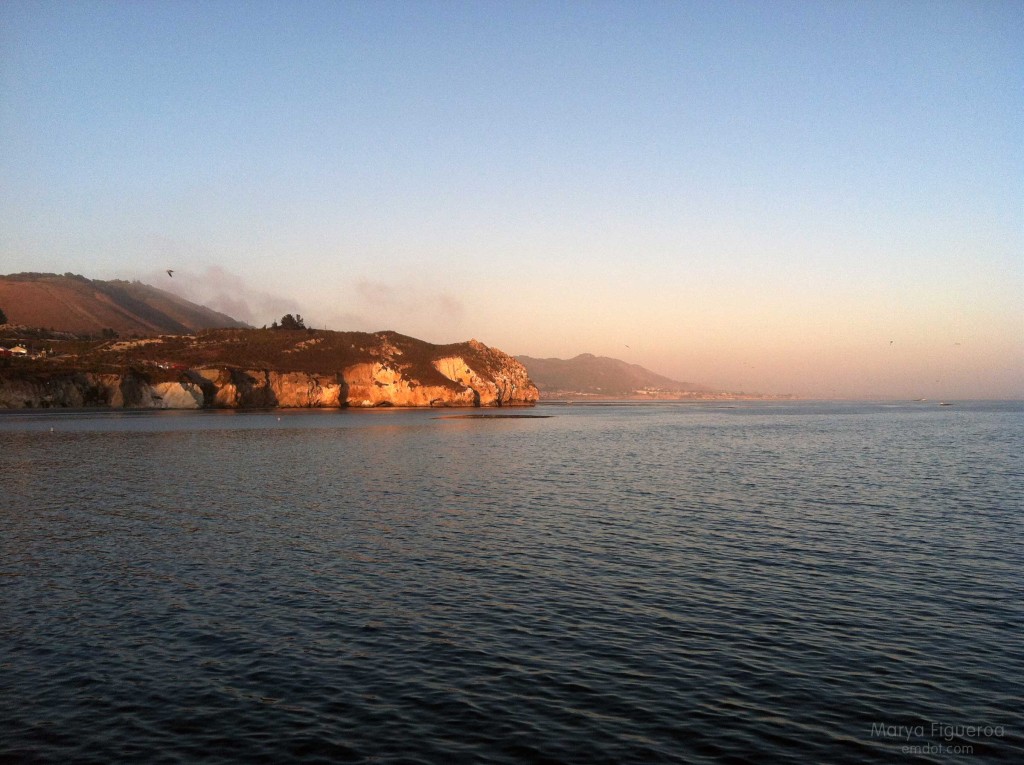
column 170, row 272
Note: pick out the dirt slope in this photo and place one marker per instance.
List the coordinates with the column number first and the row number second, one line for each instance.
column 73, row 303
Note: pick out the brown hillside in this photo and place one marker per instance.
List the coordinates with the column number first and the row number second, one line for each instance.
column 71, row 303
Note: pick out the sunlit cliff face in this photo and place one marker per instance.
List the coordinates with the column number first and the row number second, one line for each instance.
column 247, row 368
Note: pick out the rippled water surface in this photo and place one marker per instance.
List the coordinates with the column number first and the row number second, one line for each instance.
column 615, row 584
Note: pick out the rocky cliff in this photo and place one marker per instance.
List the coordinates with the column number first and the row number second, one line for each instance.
column 306, row 369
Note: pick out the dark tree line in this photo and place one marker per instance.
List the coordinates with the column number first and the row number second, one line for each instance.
column 289, row 322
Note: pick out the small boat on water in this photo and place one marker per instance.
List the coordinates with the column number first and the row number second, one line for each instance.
column 943, row 403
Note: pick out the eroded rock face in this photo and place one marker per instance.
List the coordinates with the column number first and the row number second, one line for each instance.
column 75, row 390
column 22, row 394
column 178, row 395
column 506, row 387
column 382, row 384
column 298, row 389
column 489, row 378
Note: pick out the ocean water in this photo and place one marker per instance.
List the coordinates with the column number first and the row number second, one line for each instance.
column 691, row 583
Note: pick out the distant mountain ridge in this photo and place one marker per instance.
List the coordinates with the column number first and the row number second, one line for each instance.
column 73, row 303
column 590, row 375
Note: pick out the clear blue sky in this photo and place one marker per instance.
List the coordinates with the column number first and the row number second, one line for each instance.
column 824, row 198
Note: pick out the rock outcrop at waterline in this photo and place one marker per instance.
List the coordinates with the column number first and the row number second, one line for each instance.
column 227, row 388
column 383, row 369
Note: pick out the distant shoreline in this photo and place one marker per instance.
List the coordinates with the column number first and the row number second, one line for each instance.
column 695, row 399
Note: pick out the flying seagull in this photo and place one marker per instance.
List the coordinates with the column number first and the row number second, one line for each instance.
column 170, row 272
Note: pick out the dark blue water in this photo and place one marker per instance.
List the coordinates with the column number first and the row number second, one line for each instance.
column 637, row 584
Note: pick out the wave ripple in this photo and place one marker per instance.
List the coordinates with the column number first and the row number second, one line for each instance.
column 636, row 585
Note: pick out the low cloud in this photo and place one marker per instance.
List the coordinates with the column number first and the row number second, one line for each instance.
column 416, row 310
column 410, row 301
column 412, row 309
column 227, row 292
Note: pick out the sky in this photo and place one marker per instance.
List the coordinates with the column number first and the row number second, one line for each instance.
column 817, row 198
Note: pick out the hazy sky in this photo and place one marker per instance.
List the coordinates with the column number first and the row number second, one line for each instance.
column 822, row 198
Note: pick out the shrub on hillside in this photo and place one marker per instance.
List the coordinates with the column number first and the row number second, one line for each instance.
column 289, row 322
